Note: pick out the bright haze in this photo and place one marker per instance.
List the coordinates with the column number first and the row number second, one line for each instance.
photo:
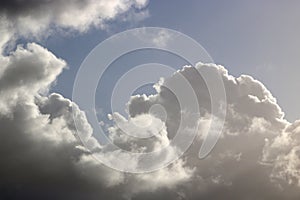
column 45, row 155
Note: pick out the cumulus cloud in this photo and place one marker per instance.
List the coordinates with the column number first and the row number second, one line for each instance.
column 40, row 18
column 283, row 153
column 257, row 156
column 39, row 152
column 41, row 155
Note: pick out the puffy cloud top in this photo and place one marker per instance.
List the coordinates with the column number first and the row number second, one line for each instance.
column 257, row 156
column 40, row 18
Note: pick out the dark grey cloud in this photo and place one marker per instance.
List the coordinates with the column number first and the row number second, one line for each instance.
column 16, row 7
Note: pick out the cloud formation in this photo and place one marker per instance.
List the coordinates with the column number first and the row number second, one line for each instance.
column 257, row 156
column 40, row 18
column 38, row 147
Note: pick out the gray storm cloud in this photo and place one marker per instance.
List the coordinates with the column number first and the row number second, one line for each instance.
column 257, row 156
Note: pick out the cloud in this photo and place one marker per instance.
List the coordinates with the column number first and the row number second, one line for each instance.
column 253, row 158
column 25, row 72
column 283, row 153
column 257, row 156
column 41, row 155
column 39, row 152
column 257, row 151
column 39, row 18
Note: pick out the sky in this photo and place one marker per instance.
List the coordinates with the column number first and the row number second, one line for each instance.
column 248, row 37
column 207, row 108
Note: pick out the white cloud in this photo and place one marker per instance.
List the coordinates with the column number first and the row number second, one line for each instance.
column 257, row 156
column 25, row 72
column 38, row 145
column 283, row 153
column 38, row 136
column 258, row 150
column 40, row 18
column 236, row 167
